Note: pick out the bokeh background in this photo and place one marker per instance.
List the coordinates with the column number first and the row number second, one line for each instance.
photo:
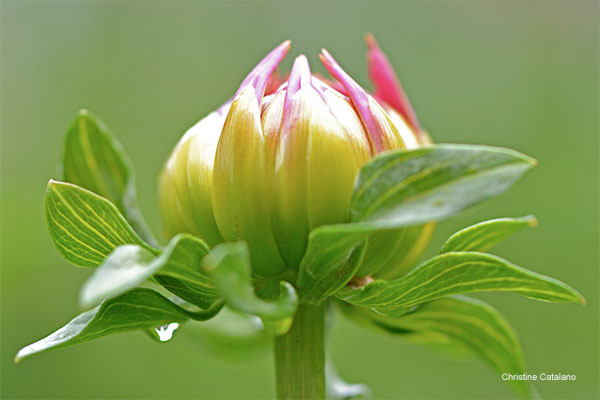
column 523, row 75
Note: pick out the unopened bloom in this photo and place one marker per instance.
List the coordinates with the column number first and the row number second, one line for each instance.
column 281, row 158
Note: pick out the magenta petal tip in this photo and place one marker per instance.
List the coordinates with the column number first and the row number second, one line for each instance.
column 359, row 98
column 300, row 76
column 387, row 85
column 259, row 76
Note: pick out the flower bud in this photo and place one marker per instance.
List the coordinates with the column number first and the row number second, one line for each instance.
column 268, row 168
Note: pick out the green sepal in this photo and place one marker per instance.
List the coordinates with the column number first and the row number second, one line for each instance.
column 178, row 267
column 85, row 227
column 456, row 326
column 95, row 160
column 485, row 235
column 229, row 265
column 456, row 273
column 137, row 309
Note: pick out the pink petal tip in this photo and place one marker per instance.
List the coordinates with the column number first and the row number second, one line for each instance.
column 359, row 98
column 387, row 85
column 260, row 75
column 299, row 77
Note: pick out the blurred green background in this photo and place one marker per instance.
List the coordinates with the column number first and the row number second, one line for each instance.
column 520, row 75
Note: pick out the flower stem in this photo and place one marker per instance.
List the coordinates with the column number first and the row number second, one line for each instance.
column 300, row 356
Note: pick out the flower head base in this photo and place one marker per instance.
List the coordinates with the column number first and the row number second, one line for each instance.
column 267, row 169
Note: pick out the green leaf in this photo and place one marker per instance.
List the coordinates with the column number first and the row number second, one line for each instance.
column 198, row 295
column 404, row 188
column 455, row 273
column 229, row 265
column 485, row 235
column 460, row 323
column 138, row 309
column 130, row 265
column 325, row 268
column 85, row 227
column 95, row 160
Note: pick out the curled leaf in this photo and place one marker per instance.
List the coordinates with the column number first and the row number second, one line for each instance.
column 229, row 265
column 177, row 268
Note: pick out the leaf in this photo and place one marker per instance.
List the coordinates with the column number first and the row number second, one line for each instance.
column 485, row 235
column 229, row 265
column 324, row 268
column 95, row 160
column 459, row 322
column 130, row 265
column 85, row 227
column 138, row 309
column 198, row 295
column 404, row 188
column 454, row 273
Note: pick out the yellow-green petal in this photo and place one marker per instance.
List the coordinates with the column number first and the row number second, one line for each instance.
column 413, row 243
column 186, row 182
column 315, row 167
column 239, row 180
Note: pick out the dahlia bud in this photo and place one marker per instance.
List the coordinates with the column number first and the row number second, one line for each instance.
column 281, row 159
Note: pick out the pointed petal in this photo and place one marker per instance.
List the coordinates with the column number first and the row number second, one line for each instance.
column 299, row 77
column 344, row 113
column 382, row 133
column 387, row 85
column 261, row 74
column 239, row 178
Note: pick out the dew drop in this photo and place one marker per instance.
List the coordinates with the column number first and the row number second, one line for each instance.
column 165, row 332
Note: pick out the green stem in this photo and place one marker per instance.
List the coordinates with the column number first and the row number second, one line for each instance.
column 300, row 356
